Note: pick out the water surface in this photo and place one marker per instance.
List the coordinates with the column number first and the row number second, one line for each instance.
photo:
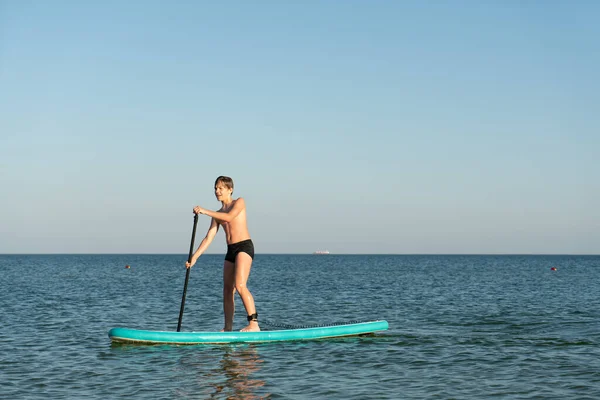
column 467, row 327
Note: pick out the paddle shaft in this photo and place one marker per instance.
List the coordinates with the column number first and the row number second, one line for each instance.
column 187, row 273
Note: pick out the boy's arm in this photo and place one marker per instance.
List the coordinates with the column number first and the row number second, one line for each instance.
column 224, row 216
column 210, row 235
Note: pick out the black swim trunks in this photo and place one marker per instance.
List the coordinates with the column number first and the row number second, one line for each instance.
column 245, row 246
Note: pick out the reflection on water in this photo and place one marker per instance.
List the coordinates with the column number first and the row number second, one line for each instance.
column 223, row 372
column 238, row 366
column 196, row 371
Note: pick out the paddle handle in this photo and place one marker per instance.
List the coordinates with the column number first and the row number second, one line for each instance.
column 187, row 273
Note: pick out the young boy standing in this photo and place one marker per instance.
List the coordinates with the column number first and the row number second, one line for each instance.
column 240, row 251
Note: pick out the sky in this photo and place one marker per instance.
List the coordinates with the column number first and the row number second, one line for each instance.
column 360, row 127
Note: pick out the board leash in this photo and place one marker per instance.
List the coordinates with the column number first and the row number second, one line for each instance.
column 291, row 326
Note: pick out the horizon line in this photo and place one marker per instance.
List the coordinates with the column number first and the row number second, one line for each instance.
column 323, row 255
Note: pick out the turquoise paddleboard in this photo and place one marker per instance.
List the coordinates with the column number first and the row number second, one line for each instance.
column 125, row 335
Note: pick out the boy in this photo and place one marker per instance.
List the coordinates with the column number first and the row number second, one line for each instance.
column 240, row 251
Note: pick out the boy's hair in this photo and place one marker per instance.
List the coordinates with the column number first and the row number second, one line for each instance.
column 225, row 180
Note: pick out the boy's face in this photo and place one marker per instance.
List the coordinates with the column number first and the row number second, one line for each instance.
column 222, row 192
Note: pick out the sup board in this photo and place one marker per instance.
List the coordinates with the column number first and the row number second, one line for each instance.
column 126, row 335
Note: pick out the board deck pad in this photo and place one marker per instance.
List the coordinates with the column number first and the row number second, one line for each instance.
column 126, row 335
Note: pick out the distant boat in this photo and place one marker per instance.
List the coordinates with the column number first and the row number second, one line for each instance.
column 321, row 252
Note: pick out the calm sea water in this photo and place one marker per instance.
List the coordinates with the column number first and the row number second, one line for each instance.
column 461, row 327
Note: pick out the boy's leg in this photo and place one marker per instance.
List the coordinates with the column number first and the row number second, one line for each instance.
column 243, row 263
column 228, row 293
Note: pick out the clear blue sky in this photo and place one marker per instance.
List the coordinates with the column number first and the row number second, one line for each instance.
column 353, row 126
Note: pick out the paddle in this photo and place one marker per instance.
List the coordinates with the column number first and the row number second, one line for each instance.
column 187, row 273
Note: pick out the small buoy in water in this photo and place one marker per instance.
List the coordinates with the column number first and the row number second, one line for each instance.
column 127, row 267
column 553, row 269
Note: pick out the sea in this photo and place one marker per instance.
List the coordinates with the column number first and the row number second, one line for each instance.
column 460, row 327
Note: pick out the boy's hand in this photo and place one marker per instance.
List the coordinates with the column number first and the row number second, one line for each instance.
column 190, row 264
column 199, row 210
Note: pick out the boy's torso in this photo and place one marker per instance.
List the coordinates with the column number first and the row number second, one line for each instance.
column 236, row 230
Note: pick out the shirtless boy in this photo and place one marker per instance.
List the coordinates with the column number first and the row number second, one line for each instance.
column 240, row 251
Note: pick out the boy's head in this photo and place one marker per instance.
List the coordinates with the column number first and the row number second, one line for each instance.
column 224, row 181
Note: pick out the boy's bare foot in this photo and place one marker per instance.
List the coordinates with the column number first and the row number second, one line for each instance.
column 252, row 327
